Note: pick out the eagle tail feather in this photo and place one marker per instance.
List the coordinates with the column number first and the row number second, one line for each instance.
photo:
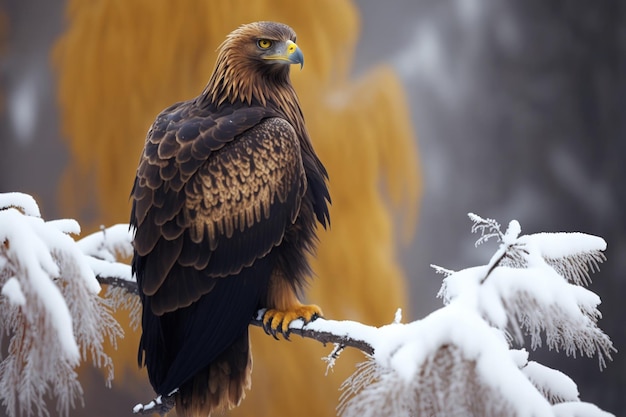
column 220, row 385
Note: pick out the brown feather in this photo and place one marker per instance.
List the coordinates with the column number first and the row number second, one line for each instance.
column 162, row 259
column 221, row 386
column 237, row 190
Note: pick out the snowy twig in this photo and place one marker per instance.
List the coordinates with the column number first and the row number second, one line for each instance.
column 130, row 286
column 332, row 357
column 487, row 228
column 160, row 404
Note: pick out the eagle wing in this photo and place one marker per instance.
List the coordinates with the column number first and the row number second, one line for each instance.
column 214, row 192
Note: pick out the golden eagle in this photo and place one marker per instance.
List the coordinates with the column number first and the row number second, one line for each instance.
column 225, row 204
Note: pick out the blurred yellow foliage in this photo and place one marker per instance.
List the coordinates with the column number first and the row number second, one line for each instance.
column 120, row 62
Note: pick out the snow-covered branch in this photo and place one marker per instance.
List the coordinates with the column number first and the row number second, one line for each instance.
column 323, row 330
column 50, row 310
column 459, row 360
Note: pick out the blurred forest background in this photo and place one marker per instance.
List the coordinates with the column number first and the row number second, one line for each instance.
column 517, row 108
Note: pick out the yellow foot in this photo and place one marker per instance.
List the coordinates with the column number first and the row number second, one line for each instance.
column 275, row 321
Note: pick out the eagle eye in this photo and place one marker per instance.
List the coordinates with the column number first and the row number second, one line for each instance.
column 264, row 43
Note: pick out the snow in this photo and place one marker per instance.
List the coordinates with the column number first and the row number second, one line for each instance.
column 560, row 245
column 67, row 226
column 555, row 384
column 158, row 405
column 23, row 201
column 108, row 242
column 464, row 282
column 546, row 287
column 404, row 348
column 519, row 357
column 543, row 270
column 402, row 351
column 32, row 255
column 53, row 305
column 53, row 235
column 473, row 295
column 479, row 342
column 39, row 252
column 13, row 291
column 527, row 283
column 110, row 269
column 397, row 318
column 512, row 232
column 346, row 328
column 579, row 409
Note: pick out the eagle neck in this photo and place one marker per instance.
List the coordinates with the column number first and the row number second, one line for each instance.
column 230, row 85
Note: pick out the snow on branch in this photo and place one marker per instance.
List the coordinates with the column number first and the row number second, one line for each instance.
column 459, row 360
column 23, row 202
column 103, row 250
column 532, row 284
column 50, row 310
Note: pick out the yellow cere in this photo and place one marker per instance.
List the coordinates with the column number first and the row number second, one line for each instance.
column 291, row 47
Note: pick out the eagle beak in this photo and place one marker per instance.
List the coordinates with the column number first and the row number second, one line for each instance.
column 291, row 54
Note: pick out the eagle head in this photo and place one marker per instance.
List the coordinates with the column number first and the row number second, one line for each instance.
column 253, row 62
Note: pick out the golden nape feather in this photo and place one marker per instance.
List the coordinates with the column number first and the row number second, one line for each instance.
column 360, row 127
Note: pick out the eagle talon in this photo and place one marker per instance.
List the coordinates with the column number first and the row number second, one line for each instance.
column 278, row 321
column 286, row 334
column 274, row 334
column 267, row 326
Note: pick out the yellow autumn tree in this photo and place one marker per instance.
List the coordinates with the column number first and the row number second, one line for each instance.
column 119, row 63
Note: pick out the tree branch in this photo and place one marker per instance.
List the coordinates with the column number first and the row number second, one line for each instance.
column 323, row 330
column 130, row 286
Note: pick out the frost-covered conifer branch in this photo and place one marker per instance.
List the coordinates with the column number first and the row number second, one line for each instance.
column 50, row 310
column 488, row 228
column 458, row 360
